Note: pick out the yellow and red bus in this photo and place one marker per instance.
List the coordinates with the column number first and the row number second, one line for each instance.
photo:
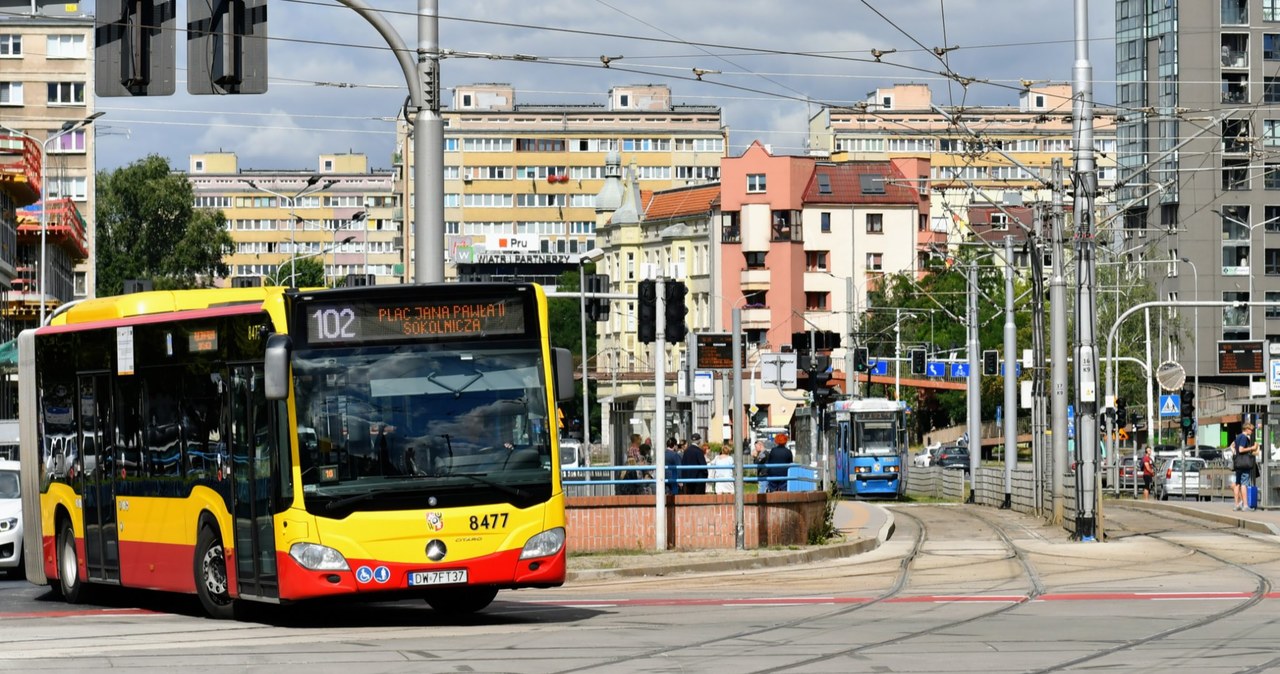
column 277, row 445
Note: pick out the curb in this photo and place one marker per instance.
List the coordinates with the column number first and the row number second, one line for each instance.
column 815, row 554
column 1234, row 520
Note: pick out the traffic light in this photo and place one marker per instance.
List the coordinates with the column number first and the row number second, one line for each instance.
column 597, row 307
column 227, row 47
column 917, row 361
column 647, row 312
column 820, row 380
column 675, row 311
column 1122, row 414
column 1188, row 411
column 861, row 359
column 990, row 363
column 134, row 47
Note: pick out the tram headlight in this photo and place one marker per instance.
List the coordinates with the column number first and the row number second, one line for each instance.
column 862, row 469
column 544, row 544
column 316, row 557
column 891, row 469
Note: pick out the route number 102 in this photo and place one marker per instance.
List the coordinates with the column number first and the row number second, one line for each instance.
column 335, row 323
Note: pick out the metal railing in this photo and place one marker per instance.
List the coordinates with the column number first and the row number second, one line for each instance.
column 608, row 480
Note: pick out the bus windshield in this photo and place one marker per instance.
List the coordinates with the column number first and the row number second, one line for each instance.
column 876, row 439
column 380, row 427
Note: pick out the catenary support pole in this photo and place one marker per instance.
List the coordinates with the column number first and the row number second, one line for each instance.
column 1058, row 347
column 974, row 420
column 739, row 510
column 1010, row 378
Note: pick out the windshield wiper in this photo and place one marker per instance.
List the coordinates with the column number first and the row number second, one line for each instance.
column 343, row 502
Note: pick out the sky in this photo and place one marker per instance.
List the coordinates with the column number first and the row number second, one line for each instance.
column 335, row 87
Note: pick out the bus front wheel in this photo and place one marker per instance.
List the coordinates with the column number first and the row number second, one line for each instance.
column 462, row 600
column 211, row 576
column 69, row 584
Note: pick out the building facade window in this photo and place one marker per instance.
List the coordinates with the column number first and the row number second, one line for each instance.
column 815, row 301
column 999, row 222
column 10, row 93
column 875, row 223
column 65, row 47
column 826, row 221
column 756, row 183
column 10, row 45
column 815, row 260
column 69, row 143
column 875, row 262
column 66, row 93
column 754, row 259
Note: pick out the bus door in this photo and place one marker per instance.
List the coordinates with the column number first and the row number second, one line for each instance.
column 98, row 466
column 253, row 455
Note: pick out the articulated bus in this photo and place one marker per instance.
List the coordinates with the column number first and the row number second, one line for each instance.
column 276, row 445
column 871, row 447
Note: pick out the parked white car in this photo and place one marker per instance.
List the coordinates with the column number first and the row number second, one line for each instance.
column 1183, row 478
column 926, row 456
column 10, row 519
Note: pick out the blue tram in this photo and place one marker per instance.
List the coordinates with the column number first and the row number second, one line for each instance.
column 871, row 447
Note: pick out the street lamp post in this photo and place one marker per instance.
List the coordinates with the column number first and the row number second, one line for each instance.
column 589, row 256
column 362, row 216
column 67, row 127
column 292, row 201
column 320, row 253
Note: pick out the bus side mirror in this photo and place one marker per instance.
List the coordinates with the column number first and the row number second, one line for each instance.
column 562, row 367
column 276, row 374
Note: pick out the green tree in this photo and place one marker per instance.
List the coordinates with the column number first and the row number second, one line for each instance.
column 148, row 228
column 302, row 272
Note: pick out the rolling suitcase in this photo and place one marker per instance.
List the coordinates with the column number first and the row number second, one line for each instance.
column 1253, row 497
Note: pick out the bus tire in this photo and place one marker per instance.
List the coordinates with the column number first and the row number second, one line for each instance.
column 462, row 600
column 70, row 586
column 211, row 576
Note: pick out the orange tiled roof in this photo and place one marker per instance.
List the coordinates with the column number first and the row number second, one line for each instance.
column 681, row 201
column 846, row 185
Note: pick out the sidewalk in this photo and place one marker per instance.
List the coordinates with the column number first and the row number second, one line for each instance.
column 863, row 526
column 1261, row 521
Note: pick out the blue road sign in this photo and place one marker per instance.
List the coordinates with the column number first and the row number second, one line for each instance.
column 1170, row 405
column 959, row 369
column 935, row 368
column 880, row 367
column 1071, row 411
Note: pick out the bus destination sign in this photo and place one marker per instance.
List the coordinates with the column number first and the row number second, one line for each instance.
column 374, row 320
column 715, row 351
column 1242, row 357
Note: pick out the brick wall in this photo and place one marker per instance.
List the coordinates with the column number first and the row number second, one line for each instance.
column 603, row 523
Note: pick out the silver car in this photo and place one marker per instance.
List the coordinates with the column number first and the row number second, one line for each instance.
column 1182, row 477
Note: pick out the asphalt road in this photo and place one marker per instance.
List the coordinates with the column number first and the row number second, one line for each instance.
column 955, row 589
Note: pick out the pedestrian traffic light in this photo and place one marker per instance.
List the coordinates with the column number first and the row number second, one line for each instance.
column 990, row 363
column 675, row 311
column 861, row 359
column 1122, row 414
column 917, row 361
column 647, row 312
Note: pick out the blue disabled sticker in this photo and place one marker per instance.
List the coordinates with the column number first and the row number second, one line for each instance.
column 382, row 574
column 364, row 574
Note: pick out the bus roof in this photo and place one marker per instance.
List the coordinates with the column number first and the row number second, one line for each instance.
column 161, row 302
column 869, row 405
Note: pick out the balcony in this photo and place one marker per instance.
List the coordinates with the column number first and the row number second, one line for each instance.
column 754, row 279
column 66, row 228
column 20, row 169
column 756, row 317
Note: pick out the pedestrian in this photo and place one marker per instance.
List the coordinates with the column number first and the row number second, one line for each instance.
column 723, row 469
column 760, row 456
column 779, row 460
column 672, row 457
column 694, row 463
column 1244, row 463
column 629, row 476
column 633, row 450
column 1148, row 466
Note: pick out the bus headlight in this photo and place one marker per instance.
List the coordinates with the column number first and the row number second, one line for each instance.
column 316, row 557
column 9, row 524
column 544, row 544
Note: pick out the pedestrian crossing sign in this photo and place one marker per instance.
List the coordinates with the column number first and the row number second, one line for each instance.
column 1170, row 405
